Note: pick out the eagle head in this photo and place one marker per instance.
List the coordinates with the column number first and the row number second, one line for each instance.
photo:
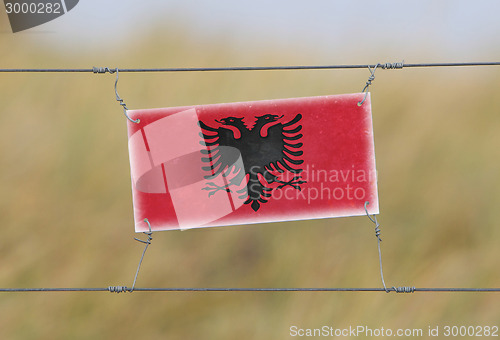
column 265, row 122
column 236, row 125
column 232, row 121
column 268, row 118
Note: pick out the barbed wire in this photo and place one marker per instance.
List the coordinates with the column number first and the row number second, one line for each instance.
column 398, row 65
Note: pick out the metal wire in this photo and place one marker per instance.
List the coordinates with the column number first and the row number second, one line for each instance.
column 379, row 239
column 118, row 98
column 173, row 289
column 123, row 289
column 120, row 289
column 147, row 243
column 250, row 68
column 367, row 85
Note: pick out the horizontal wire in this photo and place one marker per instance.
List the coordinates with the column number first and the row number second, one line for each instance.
column 245, row 68
column 125, row 289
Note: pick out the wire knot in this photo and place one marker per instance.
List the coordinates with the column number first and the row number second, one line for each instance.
column 148, row 241
column 148, row 233
column 118, row 289
column 368, row 83
column 392, row 66
column 374, row 220
column 403, row 289
column 103, row 70
column 378, row 232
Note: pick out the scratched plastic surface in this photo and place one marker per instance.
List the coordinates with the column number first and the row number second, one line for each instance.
column 252, row 162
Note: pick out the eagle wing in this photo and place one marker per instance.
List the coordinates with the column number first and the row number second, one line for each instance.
column 282, row 147
column 222, row 150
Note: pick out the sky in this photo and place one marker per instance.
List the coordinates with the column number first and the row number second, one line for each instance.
column 455, row 30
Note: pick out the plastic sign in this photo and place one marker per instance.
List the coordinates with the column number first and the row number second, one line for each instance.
column 252, row 162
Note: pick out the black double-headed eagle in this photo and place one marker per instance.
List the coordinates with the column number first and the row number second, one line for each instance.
column 269, row 150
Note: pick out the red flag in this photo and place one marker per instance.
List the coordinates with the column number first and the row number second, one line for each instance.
column 252, row 162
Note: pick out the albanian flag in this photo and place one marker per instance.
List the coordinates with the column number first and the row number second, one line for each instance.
column 252, row 162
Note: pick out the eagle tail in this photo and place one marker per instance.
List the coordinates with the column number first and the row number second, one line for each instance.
column 257, row 192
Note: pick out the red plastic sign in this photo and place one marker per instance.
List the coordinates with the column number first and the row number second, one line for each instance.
column 252, row 162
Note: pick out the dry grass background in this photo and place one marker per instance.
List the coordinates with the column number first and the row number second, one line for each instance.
column 66, row 211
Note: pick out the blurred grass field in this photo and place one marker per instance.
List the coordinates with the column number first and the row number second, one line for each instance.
column 66, row 208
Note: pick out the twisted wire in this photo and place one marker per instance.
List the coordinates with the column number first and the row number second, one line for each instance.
column 404, row 289
column 147, row 242
column 118, row 99
column 368, row 83
column 377, row 234
column 118, row 289
column 392, row 66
